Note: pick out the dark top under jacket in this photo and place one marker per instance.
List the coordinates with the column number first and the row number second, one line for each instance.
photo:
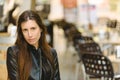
column 41, row 67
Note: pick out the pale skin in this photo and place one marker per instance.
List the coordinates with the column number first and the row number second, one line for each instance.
column 31, row 32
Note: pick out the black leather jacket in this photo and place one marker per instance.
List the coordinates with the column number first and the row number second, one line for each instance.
column 38, row 71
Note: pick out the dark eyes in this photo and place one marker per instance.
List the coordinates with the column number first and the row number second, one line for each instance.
column 33, row 28
column 25, row 30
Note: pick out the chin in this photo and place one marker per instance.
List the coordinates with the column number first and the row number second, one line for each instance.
column 31, row 43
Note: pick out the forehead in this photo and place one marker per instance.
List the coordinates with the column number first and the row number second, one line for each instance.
column 29, row 23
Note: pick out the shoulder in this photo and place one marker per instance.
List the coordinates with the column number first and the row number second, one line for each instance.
column 12, row 49
column 53, row 51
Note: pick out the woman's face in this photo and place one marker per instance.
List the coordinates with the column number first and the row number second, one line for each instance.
column 31, row 32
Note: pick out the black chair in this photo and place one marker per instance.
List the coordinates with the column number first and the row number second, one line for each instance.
column 90, row 47
column 98, row 66
column 79, row 40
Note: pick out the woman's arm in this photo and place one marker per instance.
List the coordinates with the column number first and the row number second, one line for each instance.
column 57, row 73
column 12, row 65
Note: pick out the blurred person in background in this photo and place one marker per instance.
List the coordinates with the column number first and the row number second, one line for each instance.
column 31, row 58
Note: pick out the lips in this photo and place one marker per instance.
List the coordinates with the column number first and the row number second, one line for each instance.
column 30, row 40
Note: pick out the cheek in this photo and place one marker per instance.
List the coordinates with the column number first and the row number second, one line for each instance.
column 38, row 34
column 25, row 36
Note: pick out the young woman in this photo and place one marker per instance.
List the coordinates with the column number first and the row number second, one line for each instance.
column 31, row 58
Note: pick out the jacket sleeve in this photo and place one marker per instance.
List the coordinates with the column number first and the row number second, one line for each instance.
column 57, row 73
column 12, row 65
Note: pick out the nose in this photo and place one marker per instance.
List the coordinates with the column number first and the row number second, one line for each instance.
column 29, row 33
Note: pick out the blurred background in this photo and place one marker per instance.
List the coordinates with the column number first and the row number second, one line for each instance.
column 98, row 20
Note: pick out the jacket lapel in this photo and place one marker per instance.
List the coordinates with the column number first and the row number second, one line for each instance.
column 35, row 65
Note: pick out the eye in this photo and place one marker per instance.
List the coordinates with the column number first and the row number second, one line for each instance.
column 33, row 28
column 24, row 30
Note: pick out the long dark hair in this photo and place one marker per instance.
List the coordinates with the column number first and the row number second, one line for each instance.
column 24, row 56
